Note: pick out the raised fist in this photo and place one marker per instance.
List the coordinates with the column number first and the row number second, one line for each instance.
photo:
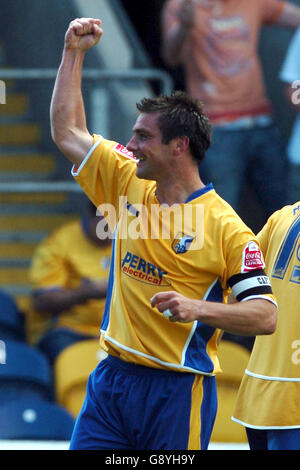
column 83, row 33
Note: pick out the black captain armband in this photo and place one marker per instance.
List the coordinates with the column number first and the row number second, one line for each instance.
column 251, row 284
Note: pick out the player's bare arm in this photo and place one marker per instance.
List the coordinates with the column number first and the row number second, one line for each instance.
column 290, row 16
column 61, row 300
column 174, row 38
column 67, row 113
column 252, row 317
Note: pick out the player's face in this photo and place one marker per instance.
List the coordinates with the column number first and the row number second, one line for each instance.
column 146, row 145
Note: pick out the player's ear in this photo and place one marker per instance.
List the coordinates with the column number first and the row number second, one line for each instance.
column 180, row 145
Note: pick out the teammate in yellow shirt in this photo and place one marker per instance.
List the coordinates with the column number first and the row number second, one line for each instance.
column 177, row 249
column 268, row 403
column 69, row 275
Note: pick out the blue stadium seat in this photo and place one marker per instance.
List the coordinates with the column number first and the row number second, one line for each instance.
column 35, row 420
column 12, row 325
column 24, row 372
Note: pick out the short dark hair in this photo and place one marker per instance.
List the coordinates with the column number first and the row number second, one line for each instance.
column 180, row 115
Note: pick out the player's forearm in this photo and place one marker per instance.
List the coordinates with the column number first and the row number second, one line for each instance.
column 57, row 301
column 253, row 317
column 67, row 113
column 62, row 300
column 250, row 318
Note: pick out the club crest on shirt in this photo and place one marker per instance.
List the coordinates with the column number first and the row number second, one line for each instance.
column 252, row 258
column 182, row 243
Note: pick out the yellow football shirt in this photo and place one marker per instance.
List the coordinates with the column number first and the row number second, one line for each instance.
column 196, row 248
column 269, row 396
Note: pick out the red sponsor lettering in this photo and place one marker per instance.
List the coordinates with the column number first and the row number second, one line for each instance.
column 142, row 276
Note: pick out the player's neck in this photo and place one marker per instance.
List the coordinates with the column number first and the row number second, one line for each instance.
column 177, row 191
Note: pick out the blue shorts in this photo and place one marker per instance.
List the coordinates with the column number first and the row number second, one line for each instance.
column 273, row 439
column 132, row 407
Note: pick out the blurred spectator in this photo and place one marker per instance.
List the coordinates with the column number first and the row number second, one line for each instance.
column 290, row 74
column 216, row 42
column 69, row 274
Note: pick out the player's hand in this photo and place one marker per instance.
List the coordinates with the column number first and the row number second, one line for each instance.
column 83, row 34
column 180, row 308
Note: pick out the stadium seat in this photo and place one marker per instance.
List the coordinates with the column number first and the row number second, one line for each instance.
column 24, row 372
column 11, row 319
column 35, row 420
column 71, row 371
column 233, row 360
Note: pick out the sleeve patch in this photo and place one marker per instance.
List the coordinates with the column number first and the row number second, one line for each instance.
column 252, row 258
column 122, row 150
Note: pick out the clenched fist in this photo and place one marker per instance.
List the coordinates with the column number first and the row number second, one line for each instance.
column 83, row 33
column 179, row 308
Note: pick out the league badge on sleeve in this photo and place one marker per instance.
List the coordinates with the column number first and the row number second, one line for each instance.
column 252, row 258
column 122, row 150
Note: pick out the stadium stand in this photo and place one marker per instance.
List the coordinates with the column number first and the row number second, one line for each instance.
column 25, row 217
column 69, row 381
column 35, row 420
column 29, row 159
column 11, row 319
column 24, row 373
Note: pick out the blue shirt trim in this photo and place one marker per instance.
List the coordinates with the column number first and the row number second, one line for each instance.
column 111, row 282
column 196, row 355
column 199, row 192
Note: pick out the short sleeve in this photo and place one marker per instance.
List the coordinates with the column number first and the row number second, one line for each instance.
column 246, row 276
column 105, row 175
